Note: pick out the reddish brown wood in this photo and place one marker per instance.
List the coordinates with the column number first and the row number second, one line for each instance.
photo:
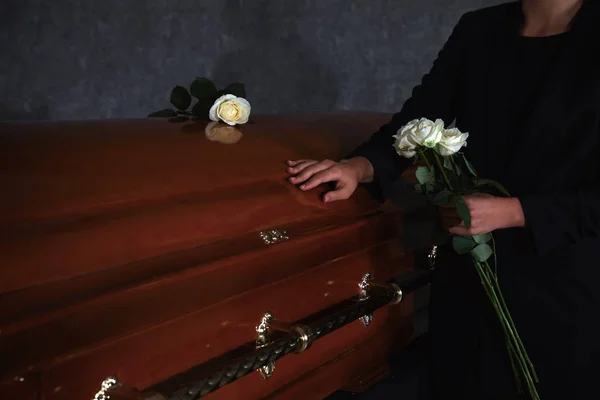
column 365, row 380
column 21, row 387
column 132, row 248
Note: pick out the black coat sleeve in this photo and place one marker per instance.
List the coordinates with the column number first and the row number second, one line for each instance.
column 563, row 218
column 435, row 97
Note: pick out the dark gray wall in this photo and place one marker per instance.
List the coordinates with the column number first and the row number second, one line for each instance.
column 69, row 59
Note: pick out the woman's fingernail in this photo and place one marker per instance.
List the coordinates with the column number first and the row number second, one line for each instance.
column 326, row 199
column 303, row 187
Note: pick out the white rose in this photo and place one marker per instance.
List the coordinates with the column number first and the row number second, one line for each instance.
column 404, row 145
column 217, row 132
column 424, row 132
column 452, row 141
column 230, row 109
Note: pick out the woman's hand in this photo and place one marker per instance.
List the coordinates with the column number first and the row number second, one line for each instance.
column 488, row 213
column 347, row 174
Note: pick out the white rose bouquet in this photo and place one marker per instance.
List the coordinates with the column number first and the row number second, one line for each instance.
column 446, row 175
column 228, row 105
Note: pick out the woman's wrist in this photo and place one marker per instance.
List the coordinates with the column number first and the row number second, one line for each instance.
column 363, row 168
column 515, row 214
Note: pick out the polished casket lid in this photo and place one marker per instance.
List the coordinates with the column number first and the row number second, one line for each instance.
column 81, row 197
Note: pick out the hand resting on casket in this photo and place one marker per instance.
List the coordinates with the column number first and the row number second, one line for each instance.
column 346, row 174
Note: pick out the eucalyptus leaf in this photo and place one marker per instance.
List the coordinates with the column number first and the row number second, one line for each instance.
column 493, row 184
column 424, row 176
column 181, row 98
column 448, row 162
column 236, row 89
column 463, row 244
column 203, row 88
column 482, row 239
column 482, row 252
column 469, row 165
column 166, row 113
column 463, row 211
column 431, row 188
column 442, row 198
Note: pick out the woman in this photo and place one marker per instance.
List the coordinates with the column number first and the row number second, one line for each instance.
column 524, row 80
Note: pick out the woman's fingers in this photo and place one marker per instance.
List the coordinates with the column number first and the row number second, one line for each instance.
column 293, row 163
column 301, row 166
column 342, row 192
column 310, row 171
column 323, row 176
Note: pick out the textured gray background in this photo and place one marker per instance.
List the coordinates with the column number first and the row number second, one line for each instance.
column 68, row 59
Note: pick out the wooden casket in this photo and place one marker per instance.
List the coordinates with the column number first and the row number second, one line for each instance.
column 145, row 250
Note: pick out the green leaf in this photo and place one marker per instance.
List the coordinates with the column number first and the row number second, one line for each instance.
column 202, row 107
column 179, row 119
column 166, row 113
column 203, row 88
column 424, row 176
column 448, row 163
column 236, row 89
column 494, row 184
column 482, row 239
column 482, row 252
column 442, row 198
column 180, row 98
column 463, row 244
column 468, row 165
column 463, row 211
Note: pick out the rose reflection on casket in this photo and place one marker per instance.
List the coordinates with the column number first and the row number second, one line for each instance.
column 218, row 132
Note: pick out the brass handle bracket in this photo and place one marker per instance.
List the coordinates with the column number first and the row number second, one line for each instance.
column 107, row 385
column 367, row 285
column 274, row 236
column 267, row 325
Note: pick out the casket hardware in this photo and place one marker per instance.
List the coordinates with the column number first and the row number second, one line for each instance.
column 273, row 236
column 432, row 256
column 368, row 283
column 268, row 323
column 363, row 294
column 267, row 348
column 107, row 385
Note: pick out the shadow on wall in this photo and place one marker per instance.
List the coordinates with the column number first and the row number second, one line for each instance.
column 281, row 73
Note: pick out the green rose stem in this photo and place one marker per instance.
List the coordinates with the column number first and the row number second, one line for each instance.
column 508, row 329
column 503, row 304
column 512, row 353
column 439, row 163
column 490, row 283
column 422, row 154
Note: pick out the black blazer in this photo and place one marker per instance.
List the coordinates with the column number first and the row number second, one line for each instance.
column 549, row 270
